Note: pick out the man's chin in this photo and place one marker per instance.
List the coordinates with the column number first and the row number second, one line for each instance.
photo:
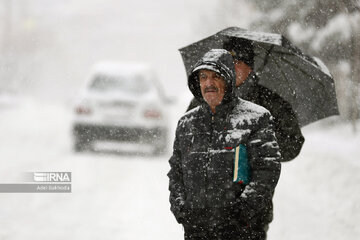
column 211, row 95
column 212, row 102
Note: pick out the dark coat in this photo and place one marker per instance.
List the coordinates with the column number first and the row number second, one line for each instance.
column 203, row 195
column 286, row 126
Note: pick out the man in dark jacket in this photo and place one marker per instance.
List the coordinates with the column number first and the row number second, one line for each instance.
column 286, row 126
column 206, row 194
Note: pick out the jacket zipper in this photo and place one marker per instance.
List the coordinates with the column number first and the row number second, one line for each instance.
column 209, row 155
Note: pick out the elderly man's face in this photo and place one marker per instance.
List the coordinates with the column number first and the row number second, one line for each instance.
column 212, row 87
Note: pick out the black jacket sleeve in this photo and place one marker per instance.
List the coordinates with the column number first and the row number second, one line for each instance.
column 264, row 156
column 288, row 133
column 176, row 184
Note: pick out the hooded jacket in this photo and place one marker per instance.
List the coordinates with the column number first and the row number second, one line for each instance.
column 202, row 164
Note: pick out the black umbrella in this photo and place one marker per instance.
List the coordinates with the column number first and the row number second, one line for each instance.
column 301, row 80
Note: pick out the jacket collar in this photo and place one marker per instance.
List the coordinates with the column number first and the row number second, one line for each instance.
column 221, row 111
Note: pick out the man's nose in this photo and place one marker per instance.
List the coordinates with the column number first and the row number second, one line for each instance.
column 209, row 81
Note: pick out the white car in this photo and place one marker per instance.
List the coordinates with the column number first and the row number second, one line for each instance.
column 121, row 103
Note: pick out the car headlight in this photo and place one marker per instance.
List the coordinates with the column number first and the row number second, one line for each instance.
column 82, row 110
column 152, row 113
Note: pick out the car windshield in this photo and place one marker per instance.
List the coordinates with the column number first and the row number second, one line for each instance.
column 134, row 84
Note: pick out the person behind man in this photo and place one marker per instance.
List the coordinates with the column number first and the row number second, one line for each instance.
column 286, row 126
column 225, row 163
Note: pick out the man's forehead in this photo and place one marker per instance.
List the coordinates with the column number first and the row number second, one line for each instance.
column 207, row 72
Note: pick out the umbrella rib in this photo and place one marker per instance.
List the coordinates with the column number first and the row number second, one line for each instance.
column 301, row 70
column 266, row 58
column 278, row 66
column 296, row 66
column 284, row 76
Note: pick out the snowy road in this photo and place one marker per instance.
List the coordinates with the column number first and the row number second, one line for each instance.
column 126, row 197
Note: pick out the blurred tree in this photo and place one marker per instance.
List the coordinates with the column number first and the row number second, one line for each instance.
column 328, row 29
column 16, row 44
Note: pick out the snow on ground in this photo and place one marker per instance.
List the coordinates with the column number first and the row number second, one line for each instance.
column 318, row 193
column 126, row 197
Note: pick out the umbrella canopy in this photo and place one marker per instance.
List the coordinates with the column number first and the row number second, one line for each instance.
column 301, row 80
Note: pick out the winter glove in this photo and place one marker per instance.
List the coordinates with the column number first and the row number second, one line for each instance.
column 243, row 211
column 184, row 215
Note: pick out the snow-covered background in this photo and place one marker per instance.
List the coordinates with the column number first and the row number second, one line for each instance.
column 47, row 52
column 126, row 197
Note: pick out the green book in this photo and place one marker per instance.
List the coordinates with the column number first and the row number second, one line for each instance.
column 241, row 165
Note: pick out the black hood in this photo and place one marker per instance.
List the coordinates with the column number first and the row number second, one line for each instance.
column 217, row 60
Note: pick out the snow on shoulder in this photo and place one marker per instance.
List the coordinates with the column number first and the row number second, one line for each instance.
column 189, row 115
column 246, row 113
